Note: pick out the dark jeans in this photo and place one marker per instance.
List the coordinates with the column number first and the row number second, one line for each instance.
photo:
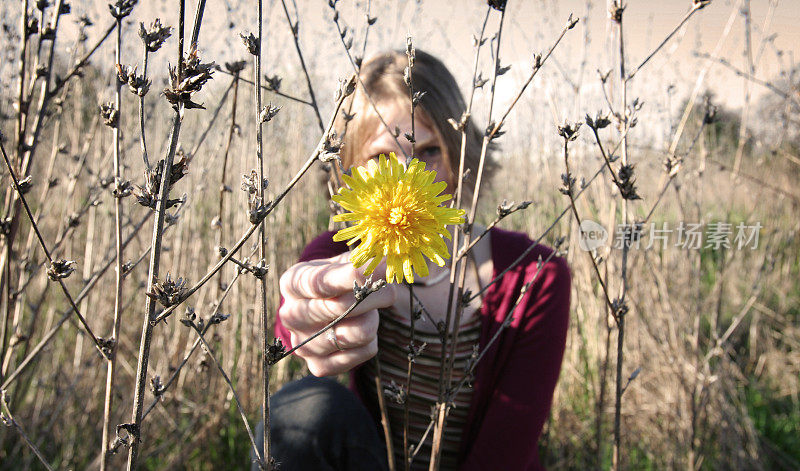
column 318, row 424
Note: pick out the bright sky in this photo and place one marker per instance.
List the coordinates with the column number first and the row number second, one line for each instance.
column 443, row 30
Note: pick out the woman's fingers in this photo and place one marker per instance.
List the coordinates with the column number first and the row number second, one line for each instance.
column 340, row 362
column 351, row 333
column 326, row 278
column 317, row 292
column 312, row 314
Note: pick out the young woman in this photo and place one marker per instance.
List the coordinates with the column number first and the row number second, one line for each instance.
column 495, row 425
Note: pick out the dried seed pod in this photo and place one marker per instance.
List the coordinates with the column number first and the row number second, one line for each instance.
column 600, row 121
column 155, row 36
column 260, row 270
column 60, row 269
column 169, row 291
column 26, row 184
column 506, row 208
column 627, row 182
column 268, row 113
column 569, row 131
column 498, row 5
column 250, row 42
column 275, row 351
column 395, row 392
column 121, row 8
column 184, row 85
column 110, row 115
column 567, row 184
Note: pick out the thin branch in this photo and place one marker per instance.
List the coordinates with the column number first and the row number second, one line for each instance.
column 83, row 60
column 253, row 227
column 722, row 61
column 465, row 121
column 569, row 191
column 142, row 138
column 269, row 89
column 23, row 55
column 266, row 461
column 295, row 35
column 210, row 122
column 696, row 6
column 748, row 53
column 11, row 421
column 233, row 390
column 563, row 212
column 506, row 322
column 452, row 392
column 672, row 174
column 198, row 21
column 385, row 423
column 357, row 70
column 620, row 315
column 454, row 302
column 421, row 441
column 231, row 130
column 111, row 364
column 84, row 292
column 412, row 353
column 155, row 258
column 160, row 393
column 701, row 78
column 500, row 216
column 571, row 22
column 60, row 281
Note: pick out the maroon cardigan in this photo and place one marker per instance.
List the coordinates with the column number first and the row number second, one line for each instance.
column 515, row 380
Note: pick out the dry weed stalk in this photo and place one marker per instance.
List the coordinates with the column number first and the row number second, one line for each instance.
column 162, row 176
column 121, row 189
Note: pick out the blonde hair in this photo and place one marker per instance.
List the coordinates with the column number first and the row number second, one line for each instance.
column 382, row 77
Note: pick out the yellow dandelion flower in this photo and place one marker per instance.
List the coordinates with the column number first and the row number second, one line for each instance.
column 399, row 217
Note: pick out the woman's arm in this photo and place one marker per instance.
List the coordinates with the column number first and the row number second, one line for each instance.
column 520, row 404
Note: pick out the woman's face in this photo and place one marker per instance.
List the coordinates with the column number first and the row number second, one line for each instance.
column 428, row 147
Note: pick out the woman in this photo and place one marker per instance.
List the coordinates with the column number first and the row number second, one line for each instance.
column 317, row 423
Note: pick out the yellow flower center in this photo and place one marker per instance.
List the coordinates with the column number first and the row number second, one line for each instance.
column 398, row 216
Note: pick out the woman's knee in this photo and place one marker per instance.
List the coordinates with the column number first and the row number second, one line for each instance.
column 311, row 403
column 317, row 423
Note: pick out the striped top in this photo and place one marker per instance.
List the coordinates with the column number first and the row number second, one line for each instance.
column 393, row 340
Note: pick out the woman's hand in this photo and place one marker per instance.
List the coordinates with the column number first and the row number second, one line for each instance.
column 318, row 291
